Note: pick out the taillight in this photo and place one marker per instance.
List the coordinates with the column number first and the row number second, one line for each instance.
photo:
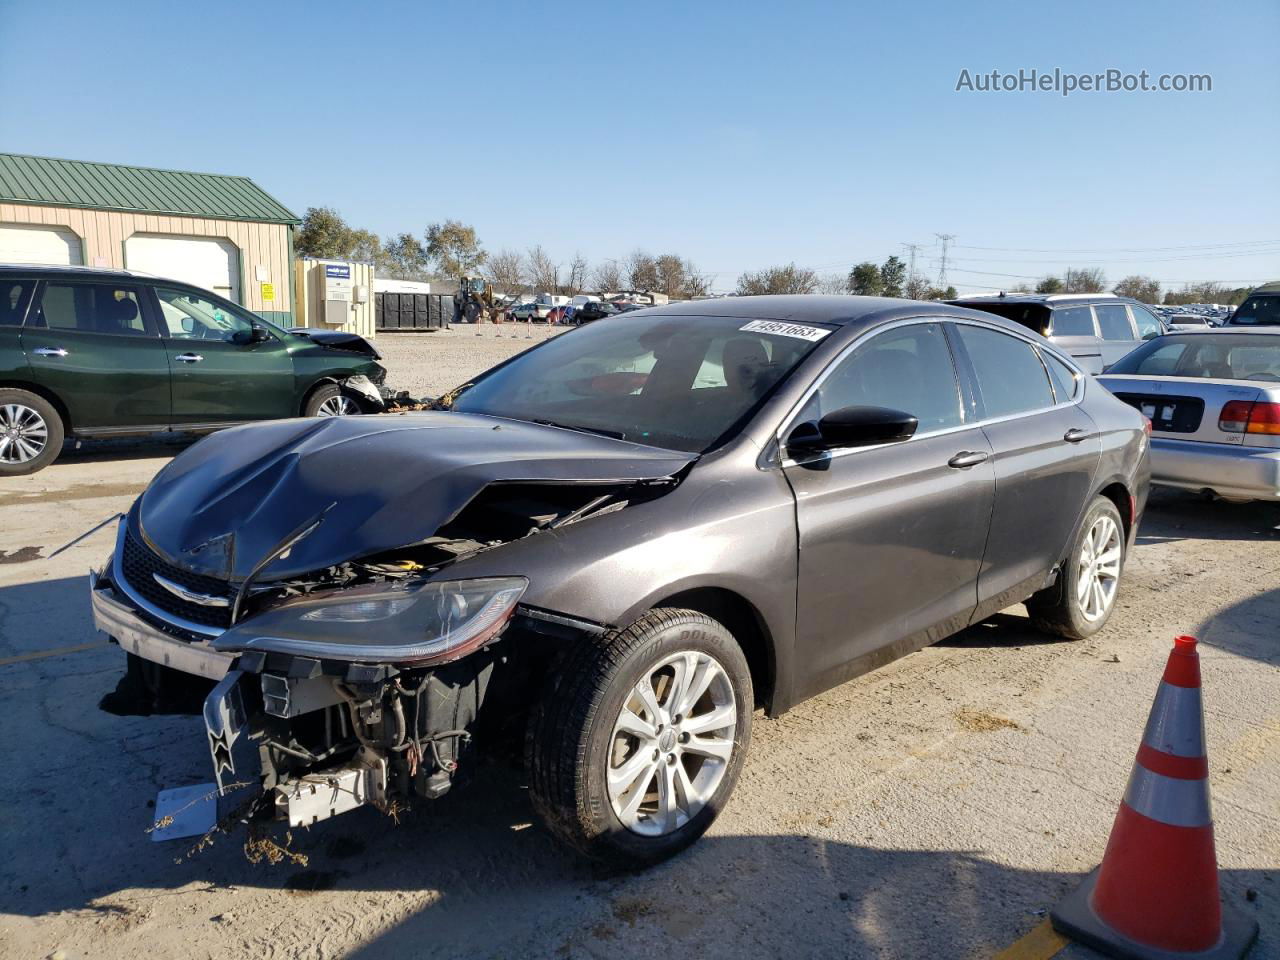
column 1246, row 416
column 1146, row 425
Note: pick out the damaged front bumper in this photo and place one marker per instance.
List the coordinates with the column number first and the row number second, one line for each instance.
column 114, row 616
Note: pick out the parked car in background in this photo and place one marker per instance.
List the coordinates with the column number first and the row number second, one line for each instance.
column 532, row 311
column 1188, row 321
column 1213, row 398
column 624, row 541
column 1260, row 309
column 1095, row 329
column 86, row 352
column 595, row 310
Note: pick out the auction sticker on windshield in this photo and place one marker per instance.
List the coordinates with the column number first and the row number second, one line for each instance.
column 785, row 329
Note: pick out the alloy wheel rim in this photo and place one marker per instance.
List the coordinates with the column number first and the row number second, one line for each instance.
column 23, row 433
column 671, row 744
column 338, row 406
column 1099, row 569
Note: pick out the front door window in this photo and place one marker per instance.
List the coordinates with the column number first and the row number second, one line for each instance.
column 191, row 317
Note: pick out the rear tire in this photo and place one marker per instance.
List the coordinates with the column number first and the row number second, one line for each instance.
column 31, row 432
column 1083, row 599
column 629, row 777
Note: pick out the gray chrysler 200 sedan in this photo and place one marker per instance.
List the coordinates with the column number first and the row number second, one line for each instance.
column 620, row 543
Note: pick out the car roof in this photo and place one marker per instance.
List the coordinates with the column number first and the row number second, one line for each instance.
column 842, row 311
column 1226, row 331
column 53, row 269
column 1048, row 299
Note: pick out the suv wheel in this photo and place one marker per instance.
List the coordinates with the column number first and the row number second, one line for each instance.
column 638, row 740
column 330, row 401
column 1082, row 601
column 30, row 433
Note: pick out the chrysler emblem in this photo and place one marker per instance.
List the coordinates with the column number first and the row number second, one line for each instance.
column 178, row 590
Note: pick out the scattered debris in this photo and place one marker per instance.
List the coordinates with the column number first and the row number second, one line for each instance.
column 982, row 721
column 1114, row 658
column 631, row 909
column 258, row 846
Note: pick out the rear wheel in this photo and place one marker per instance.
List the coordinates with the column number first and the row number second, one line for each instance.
column 30, row 433
column 1081, row 602
column 638, row 740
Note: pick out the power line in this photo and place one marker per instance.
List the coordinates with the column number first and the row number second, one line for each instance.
column 1071, row 250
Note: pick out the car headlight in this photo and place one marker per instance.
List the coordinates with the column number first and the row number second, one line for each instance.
column 416, row 622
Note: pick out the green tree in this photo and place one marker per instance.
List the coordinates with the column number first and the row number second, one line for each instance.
column 1049, row 285
column 893, row 273
column 864, row 280
column 403, row 258
column 324, row 233
column 788, row 279
column 950, row 293
column 453, row 248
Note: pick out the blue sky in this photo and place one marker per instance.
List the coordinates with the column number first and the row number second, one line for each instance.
column 738, row 134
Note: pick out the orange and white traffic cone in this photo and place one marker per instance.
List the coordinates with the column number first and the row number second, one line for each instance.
column 1155, row 897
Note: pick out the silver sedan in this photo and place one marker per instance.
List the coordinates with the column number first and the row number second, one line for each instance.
column 1213, row 399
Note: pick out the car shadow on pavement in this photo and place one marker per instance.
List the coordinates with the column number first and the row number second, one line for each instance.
column 1180, row 515
column 124, row 448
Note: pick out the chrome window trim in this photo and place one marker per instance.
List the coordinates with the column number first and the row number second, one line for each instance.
column 772, row 456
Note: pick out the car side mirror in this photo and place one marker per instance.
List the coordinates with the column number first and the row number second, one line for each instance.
column 257, row 334
column 852, row 427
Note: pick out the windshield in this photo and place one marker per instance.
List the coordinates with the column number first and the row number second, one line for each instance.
column 667, row 381
column 1225, row 356
column 1258, row 312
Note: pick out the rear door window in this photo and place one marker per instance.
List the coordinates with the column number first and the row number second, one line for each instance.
column 90, row 308
column 1011, row 378
column 1072, row 322
column 1066, row 382
column 14, row 294
column 1113, row 321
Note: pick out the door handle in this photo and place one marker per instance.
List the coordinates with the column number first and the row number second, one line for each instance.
column 189, row 357
column 1075, row 435
column 967, row 458
column 49, row 352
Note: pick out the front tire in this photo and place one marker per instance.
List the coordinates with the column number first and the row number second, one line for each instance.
column 638, row 739
column 31, row 433
column 1083, row 599
column 330, row 401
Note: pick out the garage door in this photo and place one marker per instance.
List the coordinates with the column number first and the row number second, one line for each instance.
column 209, row 262
column 20, row 243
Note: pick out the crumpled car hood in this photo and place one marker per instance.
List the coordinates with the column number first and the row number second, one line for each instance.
column 380, row 482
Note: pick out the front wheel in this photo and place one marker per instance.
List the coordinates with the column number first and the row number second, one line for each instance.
column 1081, row 602
column 330, row 401
column 639, row 737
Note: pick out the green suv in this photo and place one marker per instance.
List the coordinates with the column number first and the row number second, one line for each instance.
column 97, row 353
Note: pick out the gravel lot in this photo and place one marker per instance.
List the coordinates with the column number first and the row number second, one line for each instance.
column 429, row 364
column 932, row 809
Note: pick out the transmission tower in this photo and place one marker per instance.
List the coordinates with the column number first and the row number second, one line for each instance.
column 913, row 249
column 945, row 239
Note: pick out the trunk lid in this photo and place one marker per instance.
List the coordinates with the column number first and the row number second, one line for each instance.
column 1190, row 408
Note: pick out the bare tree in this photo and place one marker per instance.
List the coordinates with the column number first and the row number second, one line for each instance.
column 916, row 287
column 1084, row 280
column 577, row 279
column 641, row 271
column 696, row 283
column 788, row 279
column 1138, row 287
column 670, row 274
column 506, row 271
column 543, row 274
column 607, row 277
column 833, row 283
